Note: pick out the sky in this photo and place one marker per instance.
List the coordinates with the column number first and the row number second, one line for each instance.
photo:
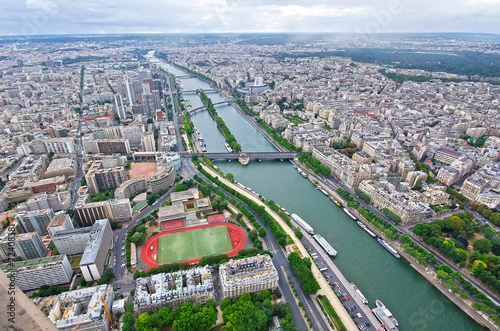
column 27, row 17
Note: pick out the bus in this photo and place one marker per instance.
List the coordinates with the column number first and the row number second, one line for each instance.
column 323, row 269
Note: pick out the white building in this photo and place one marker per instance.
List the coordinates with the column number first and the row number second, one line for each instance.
column 92, row 262
column 251, row 274
column 31, row 274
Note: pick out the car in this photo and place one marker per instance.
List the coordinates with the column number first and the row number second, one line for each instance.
column 347, row 298
column 358, row 315
column 331, row 276
column 118, row 287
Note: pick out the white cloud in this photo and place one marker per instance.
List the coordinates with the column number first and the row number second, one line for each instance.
column 92, row 16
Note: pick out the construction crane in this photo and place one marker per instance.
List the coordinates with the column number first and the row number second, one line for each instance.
column 7, row 217
column 101, row 298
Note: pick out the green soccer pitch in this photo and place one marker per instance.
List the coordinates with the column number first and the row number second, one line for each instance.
column 193, row 244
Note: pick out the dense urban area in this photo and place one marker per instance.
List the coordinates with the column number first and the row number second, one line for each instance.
column 118, row 213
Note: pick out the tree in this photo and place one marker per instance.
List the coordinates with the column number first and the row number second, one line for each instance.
column 143, row 322
column 282, row 241
column 230, row 177
column 299, row 233
column 218, row 203
column 487, row 213
column 483, row 245
column 262, row 232
column 495, row 218
column 478, row 266
column 263, row 295
column 243, row 315
column 127, row 165
column 138, row 238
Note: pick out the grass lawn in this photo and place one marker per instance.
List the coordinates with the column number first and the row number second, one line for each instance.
column 189, row 245
column 75, row 261
column 331, row 312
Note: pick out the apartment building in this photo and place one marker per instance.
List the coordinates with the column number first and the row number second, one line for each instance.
column 252, row 274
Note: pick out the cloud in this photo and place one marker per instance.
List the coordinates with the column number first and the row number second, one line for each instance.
column 47, row 6
column 127, row 16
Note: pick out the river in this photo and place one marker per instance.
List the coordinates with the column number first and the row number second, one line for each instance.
column 415, row 303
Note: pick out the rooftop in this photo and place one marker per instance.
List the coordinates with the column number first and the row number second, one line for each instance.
column 27, row 264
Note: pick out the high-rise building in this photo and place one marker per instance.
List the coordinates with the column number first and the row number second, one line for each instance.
column 31, row 274
column 148, row 142
column 59, row 223
column 251, row 274
column 31, row 246
column 88, row 213
column 94, row 256
column 148, row 104
column 36, row 220
column 73, row 241
column 119, row 108
column 99, row 179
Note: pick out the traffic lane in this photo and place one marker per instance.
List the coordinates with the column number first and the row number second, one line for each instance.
column 120, row 237
column 427, row 249
column 273, row 246
column 341, row 288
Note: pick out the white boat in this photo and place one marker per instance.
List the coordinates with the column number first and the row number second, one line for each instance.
column 387, row 312
column 349, row 213
column 326, row 245
column 303, row 224
column 243, row 159
column 360, row 294
column 229, row 149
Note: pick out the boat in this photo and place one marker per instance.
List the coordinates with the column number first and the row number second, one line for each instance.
column 385, row 316
column 326, row 245
column 364, row 227
column 318, row 187
column 303, row 174
column 335, row 202
column 295, row 167
column 360, row 294
column 302, row 224
column 203, row 147
column 229, row 149
column 243, row 159
column 324, row 192
column 388, row 247
column 349, row 214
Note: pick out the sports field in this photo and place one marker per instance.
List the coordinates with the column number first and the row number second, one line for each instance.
column 189, row 245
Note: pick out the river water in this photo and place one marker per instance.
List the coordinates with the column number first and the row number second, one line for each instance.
column 415, row 303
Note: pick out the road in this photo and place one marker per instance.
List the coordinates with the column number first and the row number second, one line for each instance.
column 340, row 284
column 333, row 184
column 280, row 261
column 180, row 147
column 120, row 238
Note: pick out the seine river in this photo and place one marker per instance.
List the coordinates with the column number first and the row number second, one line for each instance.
column 415, row 303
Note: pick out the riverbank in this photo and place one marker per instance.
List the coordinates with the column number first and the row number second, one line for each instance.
column 427, row 273
column 325, row 290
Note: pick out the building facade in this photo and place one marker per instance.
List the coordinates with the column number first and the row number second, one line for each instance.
column 94, row 256
column 31, row 274
column 252, row 274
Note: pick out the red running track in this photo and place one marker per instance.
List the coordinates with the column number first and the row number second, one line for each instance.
column 215, row 218
column 236, row 234
column 165, row 226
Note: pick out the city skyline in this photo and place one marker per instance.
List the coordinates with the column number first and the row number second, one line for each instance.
column 32, row 17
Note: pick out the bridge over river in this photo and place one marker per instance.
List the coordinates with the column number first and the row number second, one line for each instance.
column 251, row 155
